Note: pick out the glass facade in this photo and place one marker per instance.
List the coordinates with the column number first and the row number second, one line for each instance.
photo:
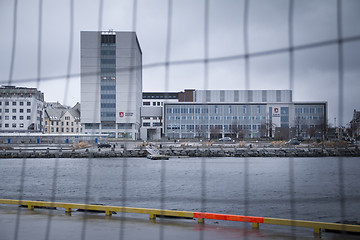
column 250, row 120
column 108, row 81
column 213, row 120
column 310, row 117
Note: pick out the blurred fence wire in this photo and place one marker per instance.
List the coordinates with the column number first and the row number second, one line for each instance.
column 167, row 63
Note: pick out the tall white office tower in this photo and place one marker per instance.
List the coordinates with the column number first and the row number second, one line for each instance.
column 111, row 83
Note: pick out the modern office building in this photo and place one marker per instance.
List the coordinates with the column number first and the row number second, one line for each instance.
column 111, row 83
column 21, row 109
column 242, row 114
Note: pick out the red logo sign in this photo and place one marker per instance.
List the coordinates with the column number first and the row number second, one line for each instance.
column 121, row 114
column 276, row 110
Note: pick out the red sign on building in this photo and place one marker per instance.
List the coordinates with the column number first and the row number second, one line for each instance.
column 121, row 114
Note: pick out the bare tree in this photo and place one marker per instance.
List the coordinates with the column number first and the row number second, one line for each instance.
column 311, row 131
column 200, row 131
column 266, row 129
column 214, row 132
column 234, row 127
column 322, row 128
column 281, row 133
column 299, row 123
column 263, row 130
column 241, row 134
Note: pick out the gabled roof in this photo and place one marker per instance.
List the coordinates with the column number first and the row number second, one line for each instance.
column 54, row 113
column 57, row 111
column 75, row 113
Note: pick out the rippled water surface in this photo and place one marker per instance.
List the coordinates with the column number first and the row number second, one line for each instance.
column 254, row 186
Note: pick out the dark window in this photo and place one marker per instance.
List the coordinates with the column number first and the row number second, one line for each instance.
column 108, row 114
column 108, row 105
column 14, row 110
column 14, row 103
column 124, row 125
column 108, row 61
column 108, row 96
column 107, row 88
column 91, row 126
column 284, row 110
column 21, row 103
column 107, row 52
column 28, row 103
column 108, row 38
column 108, row 70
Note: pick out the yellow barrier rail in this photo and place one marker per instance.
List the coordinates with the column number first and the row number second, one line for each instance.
column 153, row 213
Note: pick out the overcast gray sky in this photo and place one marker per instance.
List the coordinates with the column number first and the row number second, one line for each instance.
column 315, row 71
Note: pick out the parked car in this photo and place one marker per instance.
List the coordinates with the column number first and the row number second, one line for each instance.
column 104, row 145
column 300, row 138
column 293, row 141
column 225, row 139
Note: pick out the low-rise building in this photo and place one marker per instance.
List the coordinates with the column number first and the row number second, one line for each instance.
column 62, row 120
column 21, row 109
column 230, row 113
column 243, row 114
column 152, row 113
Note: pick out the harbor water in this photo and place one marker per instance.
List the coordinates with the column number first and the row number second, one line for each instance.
column 317, row 189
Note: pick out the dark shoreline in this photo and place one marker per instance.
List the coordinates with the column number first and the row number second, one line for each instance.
column 188, row 152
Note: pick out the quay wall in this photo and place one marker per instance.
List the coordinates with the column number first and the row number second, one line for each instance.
column 183, row 152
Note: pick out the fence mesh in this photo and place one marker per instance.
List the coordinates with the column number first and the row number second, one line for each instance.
column 247, row 56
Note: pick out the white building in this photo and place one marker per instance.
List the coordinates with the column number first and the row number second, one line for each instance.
column 152, row 113
column 111, row 83
column 21, row 109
